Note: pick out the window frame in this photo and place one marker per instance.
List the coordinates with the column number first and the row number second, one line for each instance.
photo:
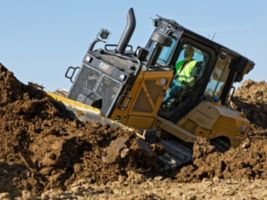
column 228, row 68
column 211, row 52
column 184, row 108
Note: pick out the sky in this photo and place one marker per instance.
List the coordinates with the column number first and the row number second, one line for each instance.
column 40, row 39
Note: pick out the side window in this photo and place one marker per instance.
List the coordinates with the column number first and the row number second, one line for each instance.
column 166, row 53
column 218, row 77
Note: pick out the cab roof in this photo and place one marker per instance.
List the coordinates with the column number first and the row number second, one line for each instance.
column 172, row 25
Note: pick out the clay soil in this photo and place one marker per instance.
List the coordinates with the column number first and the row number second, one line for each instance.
column 46, row 153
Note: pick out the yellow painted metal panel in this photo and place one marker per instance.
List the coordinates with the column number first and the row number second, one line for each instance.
column 140, row 122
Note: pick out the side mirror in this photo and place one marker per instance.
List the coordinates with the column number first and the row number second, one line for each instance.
column 103, row 35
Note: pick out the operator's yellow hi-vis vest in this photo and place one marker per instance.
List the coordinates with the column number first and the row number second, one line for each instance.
column 184, row 73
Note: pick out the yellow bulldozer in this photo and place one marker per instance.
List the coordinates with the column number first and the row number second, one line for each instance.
column 117, row 84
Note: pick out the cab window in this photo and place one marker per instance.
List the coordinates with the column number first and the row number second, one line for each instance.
column 166, row 53
column 199, row 58
column 218, row 78
column 189, row 67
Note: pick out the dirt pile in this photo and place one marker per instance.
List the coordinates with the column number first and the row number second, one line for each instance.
column 251, row 98
column 249, row 160
column 43, row 146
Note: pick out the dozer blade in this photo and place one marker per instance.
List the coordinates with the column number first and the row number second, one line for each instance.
column 86, row 112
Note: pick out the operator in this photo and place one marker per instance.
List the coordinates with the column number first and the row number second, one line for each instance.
column 184, row 74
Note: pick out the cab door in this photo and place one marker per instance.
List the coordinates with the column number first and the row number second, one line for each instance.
column 190, row 95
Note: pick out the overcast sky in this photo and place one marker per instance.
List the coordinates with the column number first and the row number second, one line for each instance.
column 40, row 39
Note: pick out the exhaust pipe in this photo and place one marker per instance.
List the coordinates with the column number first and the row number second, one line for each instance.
column 128, row 32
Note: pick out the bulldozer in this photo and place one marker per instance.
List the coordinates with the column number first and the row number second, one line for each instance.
column 123, row 86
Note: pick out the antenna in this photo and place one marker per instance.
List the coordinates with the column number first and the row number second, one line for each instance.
column 213, row 36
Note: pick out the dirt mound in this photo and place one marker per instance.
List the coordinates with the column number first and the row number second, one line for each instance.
column 251, row 98
column 43, row 146
column 249, row 160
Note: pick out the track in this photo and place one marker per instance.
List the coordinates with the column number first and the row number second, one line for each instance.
column 176, row 154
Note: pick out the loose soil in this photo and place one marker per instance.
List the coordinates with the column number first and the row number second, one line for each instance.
column 141, row 188
column 249, row 160
column 43, row 147
column 251, row 99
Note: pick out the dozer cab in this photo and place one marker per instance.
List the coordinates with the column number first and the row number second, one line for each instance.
column 127, row 86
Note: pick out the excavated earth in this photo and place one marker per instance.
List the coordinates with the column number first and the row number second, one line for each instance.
column 46, row 153
column 248, row 160
column 43, row 146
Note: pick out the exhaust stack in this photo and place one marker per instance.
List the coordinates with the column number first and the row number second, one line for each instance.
column 128, row 32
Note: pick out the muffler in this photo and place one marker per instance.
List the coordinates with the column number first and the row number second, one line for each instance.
column 128, row 32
